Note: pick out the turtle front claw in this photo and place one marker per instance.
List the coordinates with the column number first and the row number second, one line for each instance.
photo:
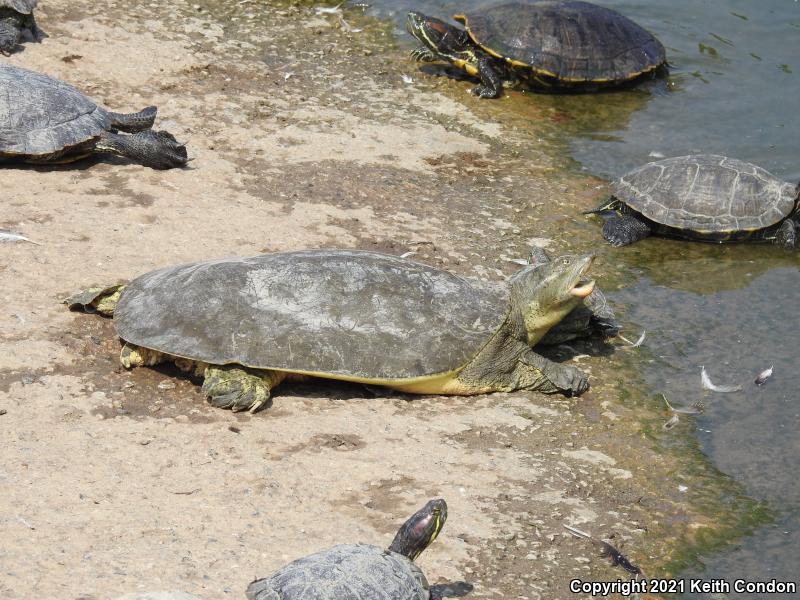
column 423, row 55
column 568, row 379
column 235, row 388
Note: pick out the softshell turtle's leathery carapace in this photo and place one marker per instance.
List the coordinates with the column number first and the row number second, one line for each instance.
column 701, row 197
column 567, row 46
column 244, row 324
column 361, row 571
column 16, row 17
column 46, row 120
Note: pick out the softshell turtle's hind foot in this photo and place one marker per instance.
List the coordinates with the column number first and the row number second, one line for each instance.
column 102, row 300
column 238, row 388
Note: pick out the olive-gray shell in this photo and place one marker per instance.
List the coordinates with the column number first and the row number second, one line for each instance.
column 339, row 312
column 344, row 572
column 24, row 7
column 707, row 193
column 572, row 41
column 40, row 115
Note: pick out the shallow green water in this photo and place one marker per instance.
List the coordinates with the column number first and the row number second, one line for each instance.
column 733, row 89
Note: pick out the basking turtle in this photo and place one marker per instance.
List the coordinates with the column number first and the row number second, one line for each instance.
column 701, row 197
column 16, row 16
column 245, row 324
column 361, row 571
column 48, row 121
column 593, row 315
column 569, row 45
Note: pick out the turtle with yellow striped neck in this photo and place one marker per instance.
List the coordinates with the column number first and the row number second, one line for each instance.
column 547, row 46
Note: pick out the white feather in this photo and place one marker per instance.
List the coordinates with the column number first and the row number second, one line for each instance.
column 11, row 237
column 635, row 344
column 709, row 385
column 764, row 375
column 328, row 10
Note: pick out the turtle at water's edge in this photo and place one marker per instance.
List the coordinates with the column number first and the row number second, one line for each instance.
column 245, row 324
column 547, row 46
column 361, row 571
column 16, row 17
column 46, row 120
column 703, row 197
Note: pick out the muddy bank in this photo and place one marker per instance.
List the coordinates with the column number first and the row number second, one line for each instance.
column 304, row 134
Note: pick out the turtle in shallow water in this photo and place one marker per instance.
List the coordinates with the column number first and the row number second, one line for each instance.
column 48, row 121
column 245, row 324
column 569, row 46
column 361, row 571
column 701, row 197
column 16, row 17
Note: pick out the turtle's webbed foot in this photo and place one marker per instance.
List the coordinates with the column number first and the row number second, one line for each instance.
column 10, row 33
column 786, row 235
column 154, row 149
column 568, row 379
column 136, row 356
column 423, row 55
column 484, row 91
column 624, row 230
column 235, row 388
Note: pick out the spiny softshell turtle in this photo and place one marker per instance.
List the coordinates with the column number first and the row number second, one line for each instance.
column 361, row 571
column 546, row 45
column 245, row 324
column 702, row 197
column 46, row 120
column 16, row 17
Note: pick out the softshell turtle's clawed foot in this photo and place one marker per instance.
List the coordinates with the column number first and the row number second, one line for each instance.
column 624, row 230
column 568, row 379
column 154, row 149
column 786, row 235
column 101, row 300
column 237, row 388
column 135, row 356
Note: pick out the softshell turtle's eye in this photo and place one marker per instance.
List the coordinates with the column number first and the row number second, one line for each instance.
column 566, row 261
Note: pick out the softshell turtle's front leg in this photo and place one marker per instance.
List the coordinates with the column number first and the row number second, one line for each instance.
column 535, row 372
column 238, row 388
column 507, row 365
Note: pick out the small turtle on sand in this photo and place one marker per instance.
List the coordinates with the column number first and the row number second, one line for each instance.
column 16, row 17
column 361, row 571
column 246, row 324
column 47, row 121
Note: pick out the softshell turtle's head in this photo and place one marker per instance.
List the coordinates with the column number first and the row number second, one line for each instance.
column 420, row 530
column 546, row 293
column 436, row 35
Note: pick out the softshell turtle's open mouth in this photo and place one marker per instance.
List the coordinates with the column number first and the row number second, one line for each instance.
column 583, row 288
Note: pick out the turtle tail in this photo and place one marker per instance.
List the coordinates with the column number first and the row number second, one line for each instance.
column 101, row 300
column 134, row 122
